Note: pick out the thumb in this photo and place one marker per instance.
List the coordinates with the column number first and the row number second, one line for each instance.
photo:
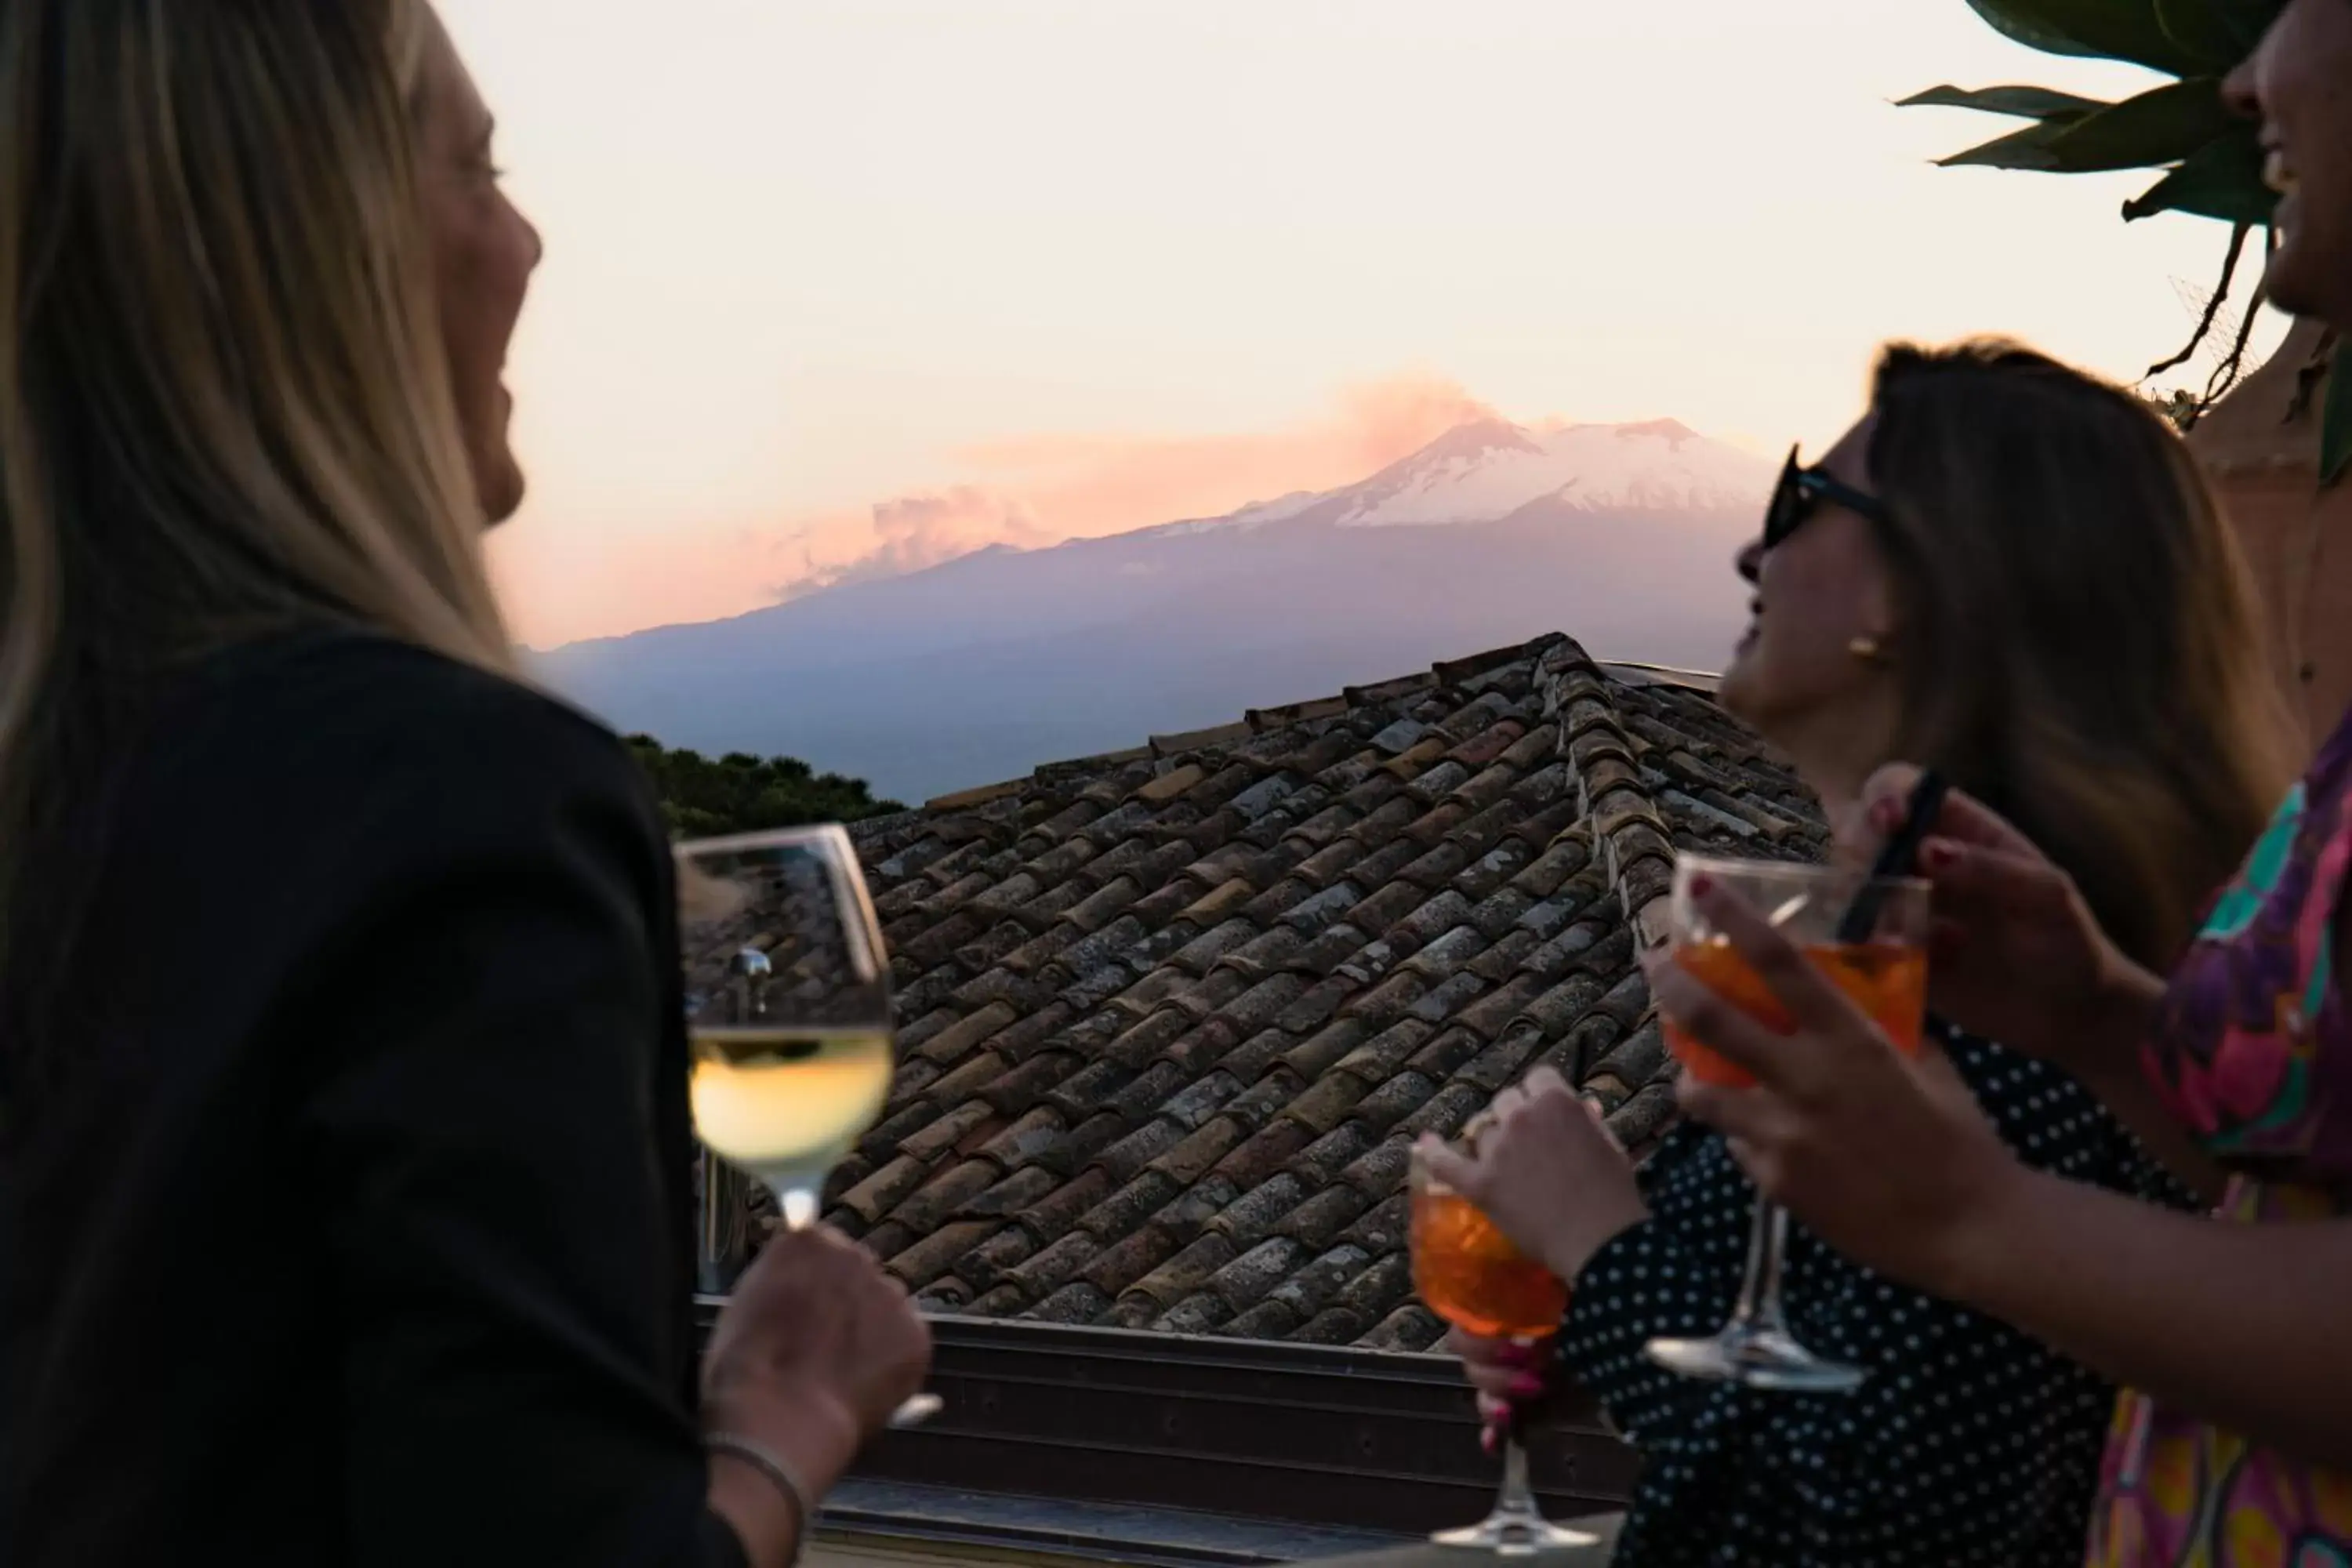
column 1448, row 1165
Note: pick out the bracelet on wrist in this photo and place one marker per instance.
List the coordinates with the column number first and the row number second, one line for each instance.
column 779, row 1475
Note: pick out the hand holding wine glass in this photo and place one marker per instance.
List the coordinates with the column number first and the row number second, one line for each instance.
column 788, row 1004
column 814, row 1352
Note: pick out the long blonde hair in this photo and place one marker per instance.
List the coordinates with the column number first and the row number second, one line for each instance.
column 2079, row 643
column 225, row 405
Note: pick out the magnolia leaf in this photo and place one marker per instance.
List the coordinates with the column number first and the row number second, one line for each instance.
column 2162, row 126
column 2335, row 417
column 2111, row 30
column 2222, row 179
column 2025, row 102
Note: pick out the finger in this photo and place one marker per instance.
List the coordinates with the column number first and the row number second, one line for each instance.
column 1450, row 1166
column 1753, row 1116
column 1886, row 799
column 1758, row 1166
column 1546, row 1080
column 1493, row 1383
column 1700, row 1012
column 1987, row 880
column 1477, row 1349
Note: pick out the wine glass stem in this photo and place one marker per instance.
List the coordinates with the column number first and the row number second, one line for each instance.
column 1759, row 1285
column 798, row 1205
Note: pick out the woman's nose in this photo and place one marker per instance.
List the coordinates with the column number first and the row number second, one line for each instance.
column 1750, row 560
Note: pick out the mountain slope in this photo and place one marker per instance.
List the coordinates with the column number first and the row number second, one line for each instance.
column 985, row 667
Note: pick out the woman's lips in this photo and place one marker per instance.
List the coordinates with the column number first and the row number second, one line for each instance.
column 2277, row 174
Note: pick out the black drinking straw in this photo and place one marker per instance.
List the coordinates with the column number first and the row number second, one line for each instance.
column 1897, row 858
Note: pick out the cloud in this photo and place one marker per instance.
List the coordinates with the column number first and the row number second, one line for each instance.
column 1039, row 489
column 1028, row 492
column 912, row 532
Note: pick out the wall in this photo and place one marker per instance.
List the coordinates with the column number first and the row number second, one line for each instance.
column 2261, row 451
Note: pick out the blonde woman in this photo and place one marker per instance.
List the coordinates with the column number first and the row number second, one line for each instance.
column 343, row 1139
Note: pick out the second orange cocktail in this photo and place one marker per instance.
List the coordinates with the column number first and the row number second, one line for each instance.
column 1888, row 980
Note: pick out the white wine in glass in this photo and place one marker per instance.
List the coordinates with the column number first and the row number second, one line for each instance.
column 785, row 1104
column 788, row 1005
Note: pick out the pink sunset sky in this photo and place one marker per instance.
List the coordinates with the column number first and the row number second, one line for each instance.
column 843, row 287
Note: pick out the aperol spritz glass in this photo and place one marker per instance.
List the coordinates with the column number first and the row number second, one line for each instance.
column 1884, row 969
column 1468, row 1273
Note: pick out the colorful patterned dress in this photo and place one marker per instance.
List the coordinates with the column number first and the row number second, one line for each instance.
column 2254, row 1052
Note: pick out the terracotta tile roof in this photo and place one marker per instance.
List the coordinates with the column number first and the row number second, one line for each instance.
column 1171, row 1018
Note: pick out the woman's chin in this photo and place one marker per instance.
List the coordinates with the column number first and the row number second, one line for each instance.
column 501, row 487
column 1736, row 687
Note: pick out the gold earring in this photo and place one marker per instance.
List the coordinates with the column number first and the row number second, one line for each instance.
column 1866, row 650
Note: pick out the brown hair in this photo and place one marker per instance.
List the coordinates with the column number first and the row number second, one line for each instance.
column 2078, row 644
column 224, row 398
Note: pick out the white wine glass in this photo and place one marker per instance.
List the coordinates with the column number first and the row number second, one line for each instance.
column 787, row 1006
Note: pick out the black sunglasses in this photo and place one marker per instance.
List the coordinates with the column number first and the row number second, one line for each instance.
column 1800, row 489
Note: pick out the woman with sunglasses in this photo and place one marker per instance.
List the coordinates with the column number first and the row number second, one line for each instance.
column 2010, row 570
column 2235, row 1447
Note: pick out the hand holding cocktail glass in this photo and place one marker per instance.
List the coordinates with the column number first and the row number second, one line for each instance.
column 1551, row 1174
column 1493, row 1248
column 1884, row 1154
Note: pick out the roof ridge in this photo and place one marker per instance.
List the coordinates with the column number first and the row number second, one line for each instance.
column 1619, row 811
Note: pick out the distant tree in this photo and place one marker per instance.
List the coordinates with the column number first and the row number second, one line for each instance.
column 743, row 793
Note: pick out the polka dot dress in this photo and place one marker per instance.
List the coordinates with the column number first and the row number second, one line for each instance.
column 1969, row 1446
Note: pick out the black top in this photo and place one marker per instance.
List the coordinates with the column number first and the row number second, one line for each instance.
column 349, row 1218
column 1970, row 1446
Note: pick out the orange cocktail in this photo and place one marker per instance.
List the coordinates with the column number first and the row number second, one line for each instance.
column 1888, row 980
column 1868, row 934
column 1468, row 1273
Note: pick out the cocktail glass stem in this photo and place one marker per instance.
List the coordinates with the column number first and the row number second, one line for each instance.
column 1516, row 1527
column 1755, row 1347
column 1760, row 1306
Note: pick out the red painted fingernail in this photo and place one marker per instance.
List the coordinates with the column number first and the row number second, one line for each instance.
column 1701, row 885
column 1938, row 854
column 1487, row 1439
column 1527, row 1385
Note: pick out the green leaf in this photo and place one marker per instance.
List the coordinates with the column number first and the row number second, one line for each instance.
column 2028, row 149
column 2112, row 29
column 2026, row 103
column 2162, row 126
column 2222, row 179
column 2013, row 22
column 2335, row 417
column 2214, row 31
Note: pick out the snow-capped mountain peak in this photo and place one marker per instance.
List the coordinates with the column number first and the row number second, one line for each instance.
column 1490, row 470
